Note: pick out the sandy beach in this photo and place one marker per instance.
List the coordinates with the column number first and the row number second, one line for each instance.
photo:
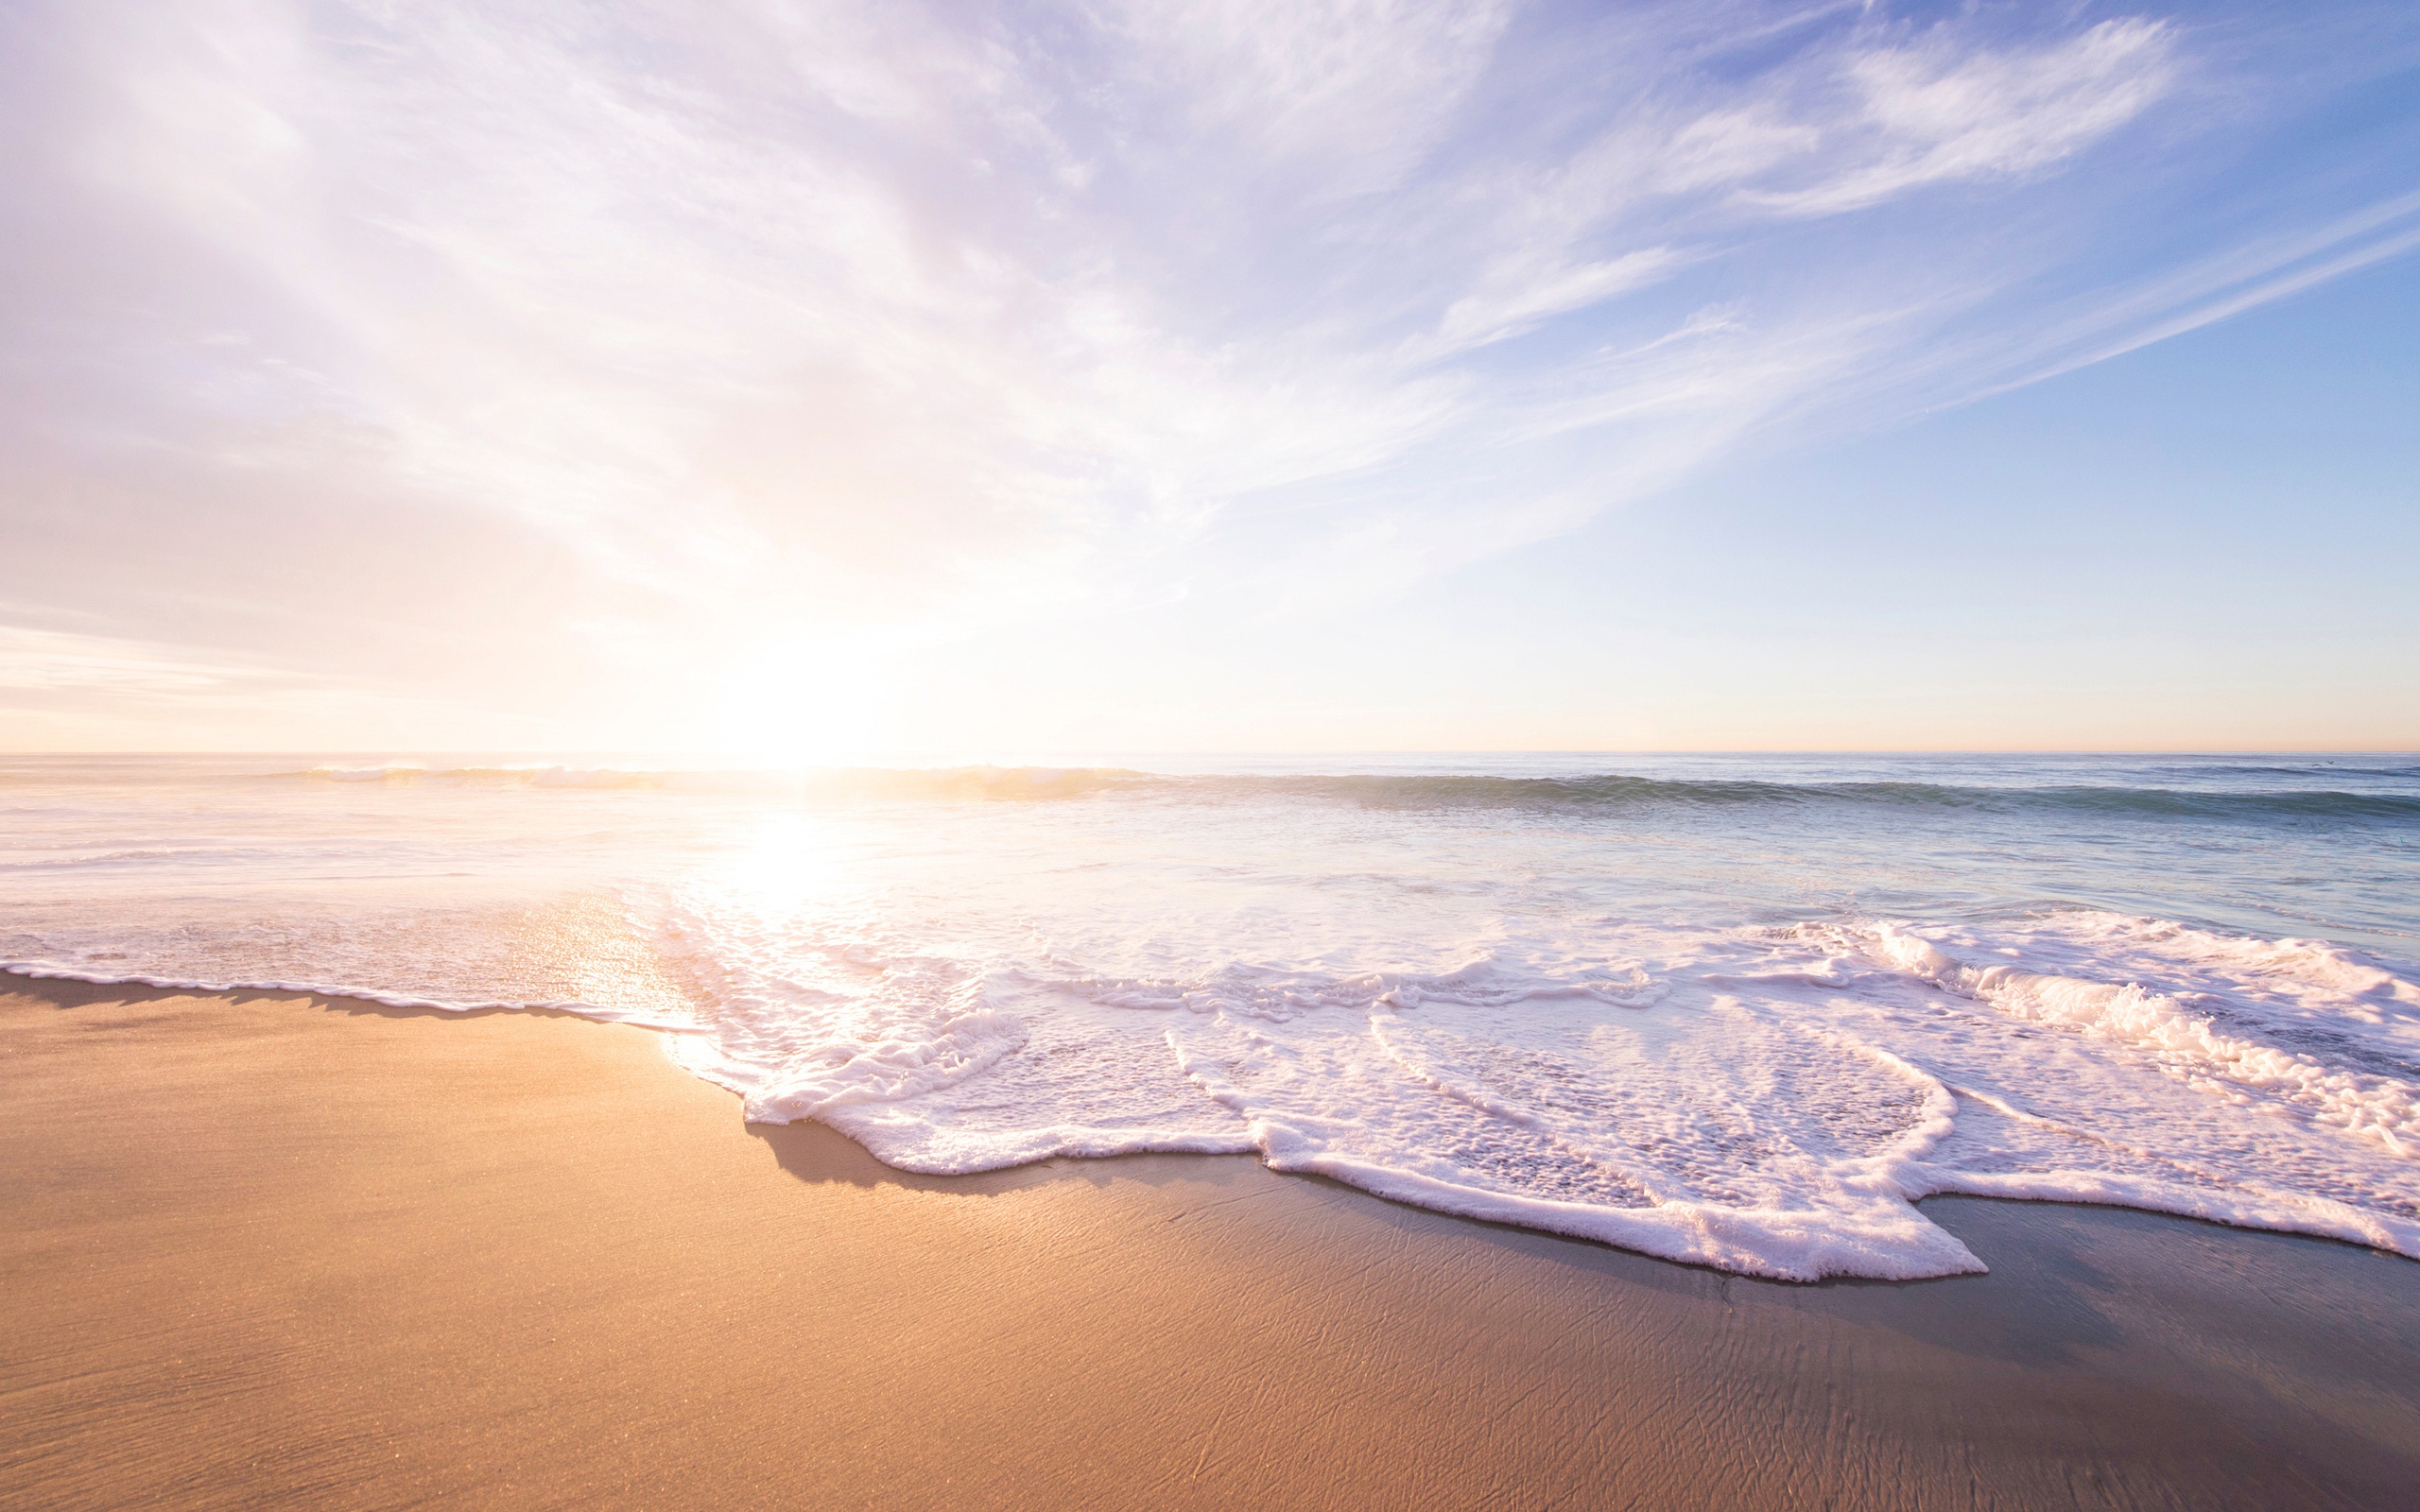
column 283, row 1251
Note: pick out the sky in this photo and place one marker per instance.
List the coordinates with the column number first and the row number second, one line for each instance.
column 820, row 381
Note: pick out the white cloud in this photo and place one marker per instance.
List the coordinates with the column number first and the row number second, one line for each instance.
column 1519, row 292
column 49, row 661
column 1938, row 113
column 778, row 320
column 1360, row 86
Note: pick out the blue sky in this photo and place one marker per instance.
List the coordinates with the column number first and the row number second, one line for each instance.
column 833, row 380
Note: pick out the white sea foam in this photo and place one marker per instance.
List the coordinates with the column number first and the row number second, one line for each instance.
column 2186, row 1045
column 52, row 972
column 1669, row 1022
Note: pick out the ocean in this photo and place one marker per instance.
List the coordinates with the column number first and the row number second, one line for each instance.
column 1740, row 1011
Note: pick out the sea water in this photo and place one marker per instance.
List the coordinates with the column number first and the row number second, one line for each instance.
column 1740, row 1011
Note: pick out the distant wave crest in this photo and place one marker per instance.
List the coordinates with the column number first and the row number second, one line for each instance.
column 1429, row 791
column 1591, row 792
column 1007, row 782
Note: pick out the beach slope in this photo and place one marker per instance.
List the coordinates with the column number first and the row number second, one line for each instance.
column 267, row 1250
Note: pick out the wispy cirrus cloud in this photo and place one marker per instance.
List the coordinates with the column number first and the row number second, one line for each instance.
column 764, row 322
column 1930, row 114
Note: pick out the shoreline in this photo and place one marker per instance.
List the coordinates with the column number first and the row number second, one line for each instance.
column 272, row 1249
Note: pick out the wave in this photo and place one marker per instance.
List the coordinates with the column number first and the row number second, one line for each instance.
column 998, row 782
column 1436, row 791
column 2191, row 1047
column 535, row 775
column 110, row 858
column 1776, row 1121
column 2331, row 769
column 52, row 972
column 1614, row 792
column 1770, row 1102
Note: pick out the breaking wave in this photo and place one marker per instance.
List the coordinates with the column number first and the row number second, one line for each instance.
column 1431, row 791
column 1750, row 1023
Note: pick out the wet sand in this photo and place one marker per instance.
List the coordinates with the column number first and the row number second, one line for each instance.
column 284, row 1252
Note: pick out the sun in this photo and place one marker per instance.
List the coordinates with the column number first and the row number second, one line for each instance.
column 797, row 701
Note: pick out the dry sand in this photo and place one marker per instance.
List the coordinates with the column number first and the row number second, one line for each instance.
column 285, row 1251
